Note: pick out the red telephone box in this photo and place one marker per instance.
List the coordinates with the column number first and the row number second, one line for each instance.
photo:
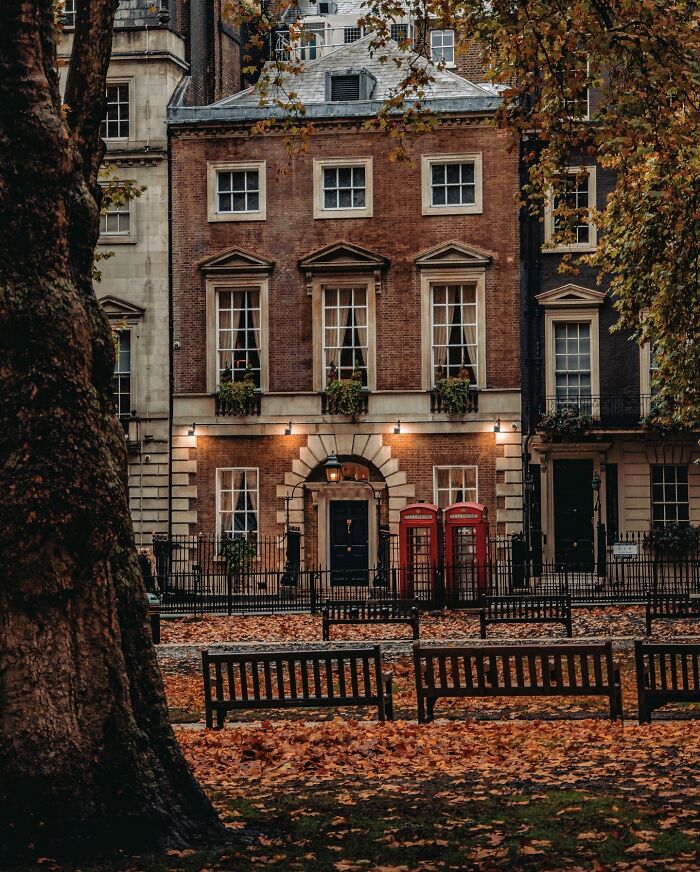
column 420, row 549
column 466, row 550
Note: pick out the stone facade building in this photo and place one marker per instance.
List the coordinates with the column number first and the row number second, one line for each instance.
column 152, row 48
column 298, row 271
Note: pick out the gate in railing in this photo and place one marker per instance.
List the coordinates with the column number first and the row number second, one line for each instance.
column 212, row 574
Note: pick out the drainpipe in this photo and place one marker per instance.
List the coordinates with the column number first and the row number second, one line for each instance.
column 171, row 333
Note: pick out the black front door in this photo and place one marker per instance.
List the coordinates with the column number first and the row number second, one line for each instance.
column 349, row 542
column 573, row 514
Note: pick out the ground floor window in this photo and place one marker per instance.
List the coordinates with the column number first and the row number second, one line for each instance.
column 455, row 484
column 669, row 495
column 237, row 501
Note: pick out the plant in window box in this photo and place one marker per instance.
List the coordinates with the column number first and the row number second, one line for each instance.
column 565, row 425
column 345, row 395
column 236, row 397
column 673, row 540
column 454, row 392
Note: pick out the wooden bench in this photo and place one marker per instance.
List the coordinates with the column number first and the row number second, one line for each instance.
column 526, row 610
column 671, row 606
column 665, row 673
column 562, row 670
column 376, row 612
column 295, row 679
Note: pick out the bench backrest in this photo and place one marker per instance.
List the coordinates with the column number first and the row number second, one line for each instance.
column 501, row 670
column 294, row 678
column 675, row 666
column 372, row 610
column 660, row 604
column 518, row 607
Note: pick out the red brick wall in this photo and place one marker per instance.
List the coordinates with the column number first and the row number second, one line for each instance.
column 416, row 454
column 397, row 230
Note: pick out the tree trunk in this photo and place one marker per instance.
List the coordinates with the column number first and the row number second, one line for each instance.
column 88, row 760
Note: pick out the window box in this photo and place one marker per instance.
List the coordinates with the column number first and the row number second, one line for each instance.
column 236, row 191
column 567, row 424
column 451, row 184
column 343, row 188
column 345, row 396
column 454, row 397
column 237, row 398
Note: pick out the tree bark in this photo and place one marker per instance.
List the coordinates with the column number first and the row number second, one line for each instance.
column 88, row 760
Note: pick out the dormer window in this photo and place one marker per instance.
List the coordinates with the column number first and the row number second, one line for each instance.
column 349, row 85
column 327, row 7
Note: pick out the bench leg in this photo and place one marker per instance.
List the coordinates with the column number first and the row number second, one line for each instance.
column 220, row 718
column 421, row 708
column 569, row 630
column 431, row 709
column 416, row 630
column 482, row 626
column 209, row 718
column 648, row 624
column 326, row 632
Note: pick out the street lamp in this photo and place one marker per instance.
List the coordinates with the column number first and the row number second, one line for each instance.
column 333, row 468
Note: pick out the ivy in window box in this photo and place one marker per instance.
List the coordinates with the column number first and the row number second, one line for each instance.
column 565, row 425
column 345, row 395
column 454, row 393
column 673, row 540
column 236, row 397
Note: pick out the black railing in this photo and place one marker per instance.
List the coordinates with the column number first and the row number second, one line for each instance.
column 227, row 407
column 197, row 574
column 330, row 404
column 611, row 410
column 437, row 405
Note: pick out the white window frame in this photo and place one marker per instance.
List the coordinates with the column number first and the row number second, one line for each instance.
column 216, row 167
column 320, row 164
column 451, row 466
column 128, row 331
column 592, row 243
column 452, row 277
column 318, row 318
column 427, row 161
column 448, row 64
column 331, row 287
column 664, row 502
column 409, row 31
column 557, row 316
column 121, row 238
column 213, row 286
column 234, row 469
column 587, row 115
column 71, row 11
column 129, row 82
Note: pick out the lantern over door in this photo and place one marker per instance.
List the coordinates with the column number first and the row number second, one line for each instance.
column 466, row 552
column 420, row 549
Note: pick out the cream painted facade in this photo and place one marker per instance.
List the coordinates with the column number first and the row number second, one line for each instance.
column 149, row 60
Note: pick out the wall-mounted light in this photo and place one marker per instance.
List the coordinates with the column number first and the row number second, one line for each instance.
column 193, row 427
column 397, row 428
column 288, row 429
column 497, row 426
column 515, row 426
column 334, row 471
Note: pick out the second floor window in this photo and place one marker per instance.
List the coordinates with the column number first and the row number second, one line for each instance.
column 351, row 34
column 455, row 331
column 238, row 191
column 238, row 333
column 669, row 495
column 345, row 336
column 121, row 381
column 572, row 364
column 442, row 46
column 116, row 122
column 575, row 199
column 237, row 502
column 400, row 33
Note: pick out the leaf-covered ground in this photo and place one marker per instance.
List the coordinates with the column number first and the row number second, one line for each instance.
column 597, row 622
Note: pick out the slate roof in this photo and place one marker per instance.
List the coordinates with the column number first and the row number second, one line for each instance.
column 311, row 88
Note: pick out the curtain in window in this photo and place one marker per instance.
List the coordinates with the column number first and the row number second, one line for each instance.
column 240, row 358
column 469, row 322
column 361, row 331
column 440, row 328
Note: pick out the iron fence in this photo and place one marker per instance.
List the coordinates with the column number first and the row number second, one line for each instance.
column 210, row 574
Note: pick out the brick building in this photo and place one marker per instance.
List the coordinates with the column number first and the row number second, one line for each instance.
column 336, row 268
